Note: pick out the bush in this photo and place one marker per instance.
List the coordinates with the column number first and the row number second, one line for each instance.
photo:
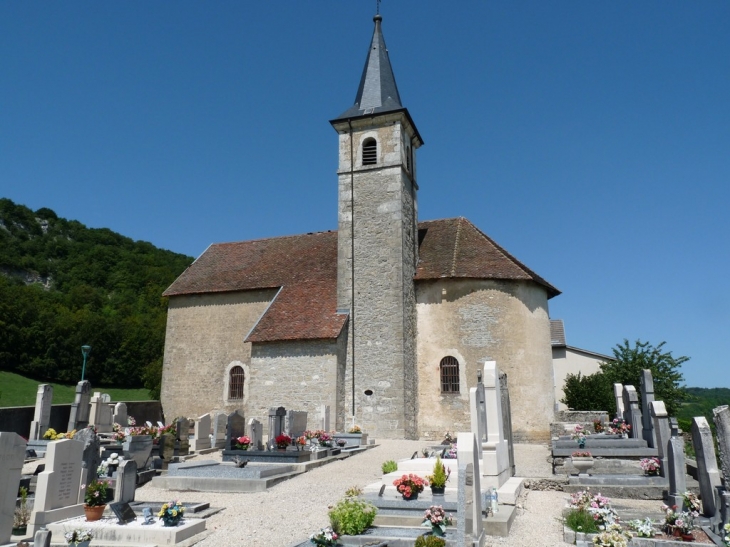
column 581, row 521
column 592, row 392
column 352, row 516
column 389, row 467
column 430, row 541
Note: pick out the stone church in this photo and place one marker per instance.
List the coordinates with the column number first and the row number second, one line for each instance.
column 386, row 320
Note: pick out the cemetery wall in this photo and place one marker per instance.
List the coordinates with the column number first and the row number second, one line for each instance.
column 205, row 334
column 478, row 320
column 298, row 375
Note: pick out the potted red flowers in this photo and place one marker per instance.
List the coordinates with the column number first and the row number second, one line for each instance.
column 282, row 441
column 410, row 486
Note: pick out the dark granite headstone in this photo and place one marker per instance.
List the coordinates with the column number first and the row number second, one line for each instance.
column 124, row 513
column 92, row 456
column 235, row 427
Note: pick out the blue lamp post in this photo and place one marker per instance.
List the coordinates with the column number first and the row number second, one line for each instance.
column 85, row 350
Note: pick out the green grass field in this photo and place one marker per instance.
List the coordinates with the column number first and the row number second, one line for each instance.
column 16, row 390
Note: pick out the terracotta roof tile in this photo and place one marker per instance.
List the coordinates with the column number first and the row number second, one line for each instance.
column 305, row 268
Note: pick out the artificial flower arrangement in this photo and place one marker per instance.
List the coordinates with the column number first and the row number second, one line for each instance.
column 643, row 528
column 651, row 466
column 410, row 485
column 598, row 506
column 242, row 443
column 79, row 535
column 301, row 441
column 119, row 434
column 112, row 462
column 579, row 454
column 619, row 427
column 282, row 441
column 97, row 492
column 51, row 435
column 692, row 504
column 355, row 429
column 677, row 522
column 437, row 519
column 598, row 426
column 615, row 537
column 579, row 434
column 326, row 537
column 309, row 434
column 450, row 454
column 325, row 439
column 171, row 513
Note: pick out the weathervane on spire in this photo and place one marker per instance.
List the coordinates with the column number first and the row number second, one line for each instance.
column 377, row 7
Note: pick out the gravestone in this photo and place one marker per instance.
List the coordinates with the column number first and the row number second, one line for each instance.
column 167, row 447
column 79, row 416
column 120, row 414
column 632, row 412
column 256, row 432
column 324, row 417
column 495, row 466
column 42, row 538
column 721, row 417
column 91, row 458
column 126, row 481
column 507, row 419
column 661, row 428
column 707, row 473
column 296, row 423
column 647, row 396
column 478, row 418
column 58, row 488
column 235, row 427
column 12, row 453
column 277, row 416
column 469, row 526
column 677, row 467
column 201, row 434
column 618, row 395
column 42, row 415
column 101, row 414
column 220, row 423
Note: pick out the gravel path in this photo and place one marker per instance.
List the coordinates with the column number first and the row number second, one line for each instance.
column 288, row 512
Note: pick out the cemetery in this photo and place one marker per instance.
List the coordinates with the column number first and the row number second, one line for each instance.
column 109, row 481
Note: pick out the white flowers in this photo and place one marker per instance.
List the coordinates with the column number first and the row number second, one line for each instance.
column 78, row 535
column 643, row 528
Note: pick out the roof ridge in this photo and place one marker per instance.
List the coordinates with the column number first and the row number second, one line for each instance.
column 456, row 246
column 273, row 238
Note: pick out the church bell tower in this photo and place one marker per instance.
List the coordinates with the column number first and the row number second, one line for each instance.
column 378, row 249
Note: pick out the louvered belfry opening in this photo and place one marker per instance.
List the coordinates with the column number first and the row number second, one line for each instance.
column 369, row 152
column 235, row 384
column 449, row 375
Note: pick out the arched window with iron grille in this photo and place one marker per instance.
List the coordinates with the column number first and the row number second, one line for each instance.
column 449, row 375
column 235, row 383
column 369, row 152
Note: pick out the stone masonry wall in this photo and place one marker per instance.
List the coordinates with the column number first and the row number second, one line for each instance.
column 478, row 320
column 205, row 334
column 298, row 375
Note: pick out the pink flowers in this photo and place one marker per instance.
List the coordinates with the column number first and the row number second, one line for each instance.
column 410, row 484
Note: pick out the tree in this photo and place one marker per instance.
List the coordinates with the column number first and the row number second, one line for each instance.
column 595, row 392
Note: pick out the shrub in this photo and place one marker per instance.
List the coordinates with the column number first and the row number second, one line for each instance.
column 389, row 467
column 352, row 516
column 430, row 541
column 353, row 492
column 581, row 521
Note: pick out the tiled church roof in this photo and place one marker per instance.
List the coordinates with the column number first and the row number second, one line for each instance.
column 305, row 268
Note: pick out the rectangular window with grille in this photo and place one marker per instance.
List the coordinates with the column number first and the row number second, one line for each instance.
column 449, row 375
column 235, row 383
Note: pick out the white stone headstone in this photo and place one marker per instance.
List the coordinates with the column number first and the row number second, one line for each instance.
column 57, row 491
column 618, row 394
column 661, row 427
column 256, row 433
column 120, row 414
column 126, row 481
column 495, row 466
column 201, row 440
column 469, row 524
column 220, row 421
column 12, row 453
column 708, row 475
column 42, row 415
column 478, row 419
column 324, row 417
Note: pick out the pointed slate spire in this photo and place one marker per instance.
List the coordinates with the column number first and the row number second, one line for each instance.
column 378, row 91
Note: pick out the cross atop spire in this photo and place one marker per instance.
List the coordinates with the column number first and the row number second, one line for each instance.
column 378, row 91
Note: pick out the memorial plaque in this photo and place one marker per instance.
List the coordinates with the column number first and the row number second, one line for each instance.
column 124, row 513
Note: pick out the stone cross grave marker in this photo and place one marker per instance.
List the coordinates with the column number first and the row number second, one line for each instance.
column 296, row 423
column 91, row 456
column 126, row 481
column 469, row 526
column 495, row 467
column 324, row 417
column 79, row 416
column 220, row 424
column 42, row 415
column 708, row 474
column 235, row 428
column 618, row 395
column 478, row 419
column 120, row 414
column 647, row 396
column 721, row 417
column 507, row 419
column 12, row 453
column 661, row 427
column 677, row 467
column 277, row 416
column 256, row 433
column 58, row 489
column 201, row 433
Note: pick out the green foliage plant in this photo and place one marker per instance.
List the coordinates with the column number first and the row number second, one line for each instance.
column 430, row 541
column 389, row 466
column 352, row 516
column 439, row 476
column 22, row 512
column 353, row 492
column 579, row 520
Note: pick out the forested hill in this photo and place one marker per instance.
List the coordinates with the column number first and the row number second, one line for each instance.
column 63, row 285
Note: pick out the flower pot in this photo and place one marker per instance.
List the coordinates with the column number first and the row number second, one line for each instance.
column 436, row 531
column 438, row 490
column 20, row 530
column 582, row 464
column 171, row 521
column 82, row 543
column 414, row 496
column 94, row 512
column 687, row 537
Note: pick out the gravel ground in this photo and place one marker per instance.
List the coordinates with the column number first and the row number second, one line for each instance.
column 288, row 512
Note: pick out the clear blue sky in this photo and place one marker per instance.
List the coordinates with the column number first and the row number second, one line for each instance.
column 591, row 139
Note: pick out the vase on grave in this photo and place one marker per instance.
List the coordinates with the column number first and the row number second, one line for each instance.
column 82, row 543
column 138, row 448
column 582, row 464
column 93, row 512
column 171, row 521
column 19, row 530
column 413, row 496
column 438, row 490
